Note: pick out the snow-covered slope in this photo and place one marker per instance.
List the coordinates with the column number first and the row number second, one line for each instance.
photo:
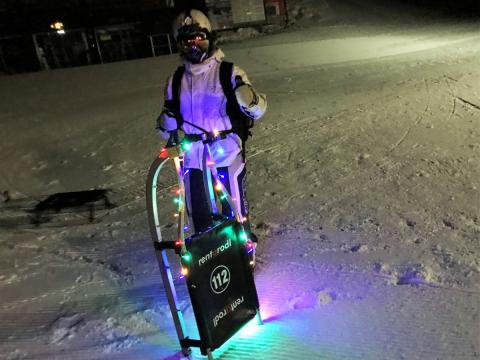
column 363, row 181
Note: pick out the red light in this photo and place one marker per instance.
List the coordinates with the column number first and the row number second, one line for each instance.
column 163, row 153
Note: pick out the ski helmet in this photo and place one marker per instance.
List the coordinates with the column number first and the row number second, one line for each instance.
column 192, row 31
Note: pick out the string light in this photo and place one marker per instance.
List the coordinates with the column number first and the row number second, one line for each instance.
column 186, row 146
column 178, row 243
column 163, row 153
column 243, row 236
column 218, row 186
column 187, row 257
column 210, row 163
column 220, row 151
column 184, row 272
column 250, row 247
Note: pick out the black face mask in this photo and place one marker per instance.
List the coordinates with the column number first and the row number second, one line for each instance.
column 194, row 47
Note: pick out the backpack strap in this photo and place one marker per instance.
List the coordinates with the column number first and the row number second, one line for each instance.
column 173, row 105
column 241, row 123
column 226, row 70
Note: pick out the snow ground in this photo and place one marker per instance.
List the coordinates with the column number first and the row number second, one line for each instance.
column 363, row 181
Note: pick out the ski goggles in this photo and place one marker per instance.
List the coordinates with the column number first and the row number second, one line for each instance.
column 193, row 40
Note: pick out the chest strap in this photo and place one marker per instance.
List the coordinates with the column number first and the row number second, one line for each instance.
column 208, row 137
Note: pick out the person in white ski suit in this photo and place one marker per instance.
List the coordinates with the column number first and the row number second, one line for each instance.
column 203, row 108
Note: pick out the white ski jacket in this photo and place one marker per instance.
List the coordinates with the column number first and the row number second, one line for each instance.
column 203, row 103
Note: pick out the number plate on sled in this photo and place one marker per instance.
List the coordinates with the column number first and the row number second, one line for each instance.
column 220, row 283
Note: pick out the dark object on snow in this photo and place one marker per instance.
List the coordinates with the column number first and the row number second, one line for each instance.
column 6, row 196
column 78, row 200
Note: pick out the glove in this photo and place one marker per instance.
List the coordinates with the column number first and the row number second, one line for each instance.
column 166, row 122
column 168, row 119
column 244, row 93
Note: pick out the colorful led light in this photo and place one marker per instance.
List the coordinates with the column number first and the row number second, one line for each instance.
column 163, row 153
column 243, row 236
column 186, row 146
column 187, row 257
column 184, row 271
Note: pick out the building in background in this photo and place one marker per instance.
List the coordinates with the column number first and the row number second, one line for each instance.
column 231, row 14
column 276, row 11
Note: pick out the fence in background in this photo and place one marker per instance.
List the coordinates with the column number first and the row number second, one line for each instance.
column 120, row 42
column 161, row 44
column 59, row 50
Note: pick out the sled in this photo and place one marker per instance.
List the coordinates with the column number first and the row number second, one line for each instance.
column 56, row 210
column 215, row 263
